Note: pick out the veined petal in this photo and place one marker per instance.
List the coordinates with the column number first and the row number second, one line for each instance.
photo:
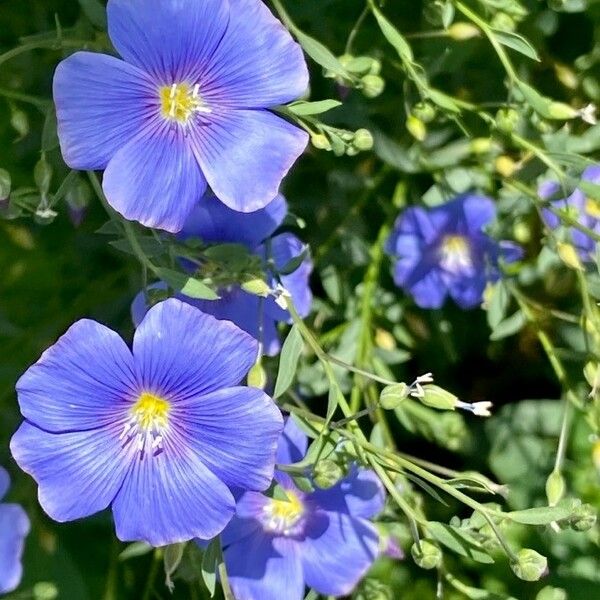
column 245, row 154
column 155, row 179
column 234, row 432
column 171, row 497
column 14, row 527
column 101, row 104
column 180, row 352
column 80, row 382
column 78, row 473
column 257, row 64
column 171, row 39
column 292, row 445
column 260, row 567
column 216, row 223
column 337, row 552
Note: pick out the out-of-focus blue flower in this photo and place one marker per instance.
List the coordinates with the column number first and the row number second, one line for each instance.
column 14, row 527
column 579, row 206
column 214, row 222
column 273, row 548
column 443, row 251
column 187, row 105
column 161, row 433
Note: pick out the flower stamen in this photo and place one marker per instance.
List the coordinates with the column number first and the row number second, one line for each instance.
column 147, row 424
column 180, row 101
column 283, row 516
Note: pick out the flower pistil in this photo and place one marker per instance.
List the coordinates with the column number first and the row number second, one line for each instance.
column 148, row 422
column 180, row 101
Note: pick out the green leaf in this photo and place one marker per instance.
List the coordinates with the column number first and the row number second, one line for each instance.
column 542, row 515
column 95, row 12
column 49, row 132
column 335, row 394
column 288, row 361
column 498, row 305
column 193, row 288
column 321, row 55
column 443, row 100
column 134, row 550
column 294, row 263
column 172, row 556
column 509, row 326
column 304, row 109
column 516, row 42
column 392, row 35
column 210, row 564
column 458, row 541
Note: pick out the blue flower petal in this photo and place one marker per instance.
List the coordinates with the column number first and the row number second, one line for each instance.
column 478, row 211
column 155, row 179
column 78, row 473
column 293, row 444
column 337, row 552
column 245, row 154
column 258, row 64
column 234, row 432
column 101, row 104
column 360, row 494
column 216, row 223
column 14, row 527
column 79, row 382
column 170, row 39
column 262, row 568
column 427, row 288
column 181, row 352
column 171, row 497
column 467, row 292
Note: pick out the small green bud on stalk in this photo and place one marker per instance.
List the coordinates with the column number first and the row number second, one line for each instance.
column 257, row 377
column 416, row 128
column 530, row 565
column 584, row 518
column 363, row 140
column 327, row 473
column 256, row 287
column 393, row 395
column 555, row 488
column 19, row 122
column 505, row 166
column 561, row 111
column 5, row 184
column 462, row 31
column 507, row 120
column 437, row 397
column 45, row 591
column 320, row 142
column 428, row 556
column 372, row 86
column 551, row 593
column 569, row 256
column 425, row 111
column 481, row 145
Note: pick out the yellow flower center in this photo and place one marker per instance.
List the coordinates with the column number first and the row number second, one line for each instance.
column 151, row 411
column 283, row 515
column 180, row 101
column 455, row 254
column 148, row 422
column 592, row 208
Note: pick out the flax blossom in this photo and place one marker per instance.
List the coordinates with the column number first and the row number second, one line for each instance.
column 161, row 432
column 14, row 527
column 274, row 547
column 187, row 105
column 444, row 252
column 213, row 222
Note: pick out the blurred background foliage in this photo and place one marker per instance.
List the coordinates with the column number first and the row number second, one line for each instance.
column 56, row 268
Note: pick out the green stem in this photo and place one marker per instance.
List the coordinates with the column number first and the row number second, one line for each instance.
column 224, row 579
column 47, row 45
column 148, row 590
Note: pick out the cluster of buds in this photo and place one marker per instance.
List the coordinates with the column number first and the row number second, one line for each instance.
column 342, row 142
column 364, row 73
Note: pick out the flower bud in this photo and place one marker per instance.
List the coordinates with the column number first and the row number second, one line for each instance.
column 463, row 31
column 363, row 140
column 437, row 397
column 320, row 142
column 425, row 111
column 428, row 556
column 393, row 395
column 596, row 455
column 569, row 256
column 257, row 377
column 584, row 518
column 506, row 166
column 551, row 593
column 20, row 122
column 480, row 145
column 416, row 128
column 507, row 120
column 522, row 232
column 373, row 589
column 327, row 473
column 555, row 488
column 372, row 86
column 503, row 22
column 45, row 591
column 256, row 287
column 561, row 111
column 5, row 184
column 530, row 565
column 385, row 340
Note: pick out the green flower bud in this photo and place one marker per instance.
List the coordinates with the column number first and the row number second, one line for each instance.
column 530, row 565
column 373, row 589
column 363, row 140
column 463, row 31
column 480, row 145
column 393, row 395
column 78, row 196
column 439, row 398
column 555, row 488
column 569, row 256
column 5, row 184
column 257, row 377
column 327, row 473
column 507, row 120
column 416, row 128
column 551, row 593
column 522, row 232
column 19, row 122
column 584, row 518
column 42, row 174
column 561, row 111
column 320, row 142
column 352, row 151
column 428, row 556
column 503, row 22
column 505, row 165
column 256, row 287
column 372, row 86
column 425, row 111
column 45, row 591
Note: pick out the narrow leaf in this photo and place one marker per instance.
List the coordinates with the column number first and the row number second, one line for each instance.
column 288, row 362
column 509, row 326
column 393, row 36
column 193, row 288
column 210, row 563
column 303, row 109
column 543, row 515
column 516, row 42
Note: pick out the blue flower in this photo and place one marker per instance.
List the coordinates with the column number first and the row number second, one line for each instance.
column 161, row 433
column 14, row 527
column 187, row 105
column 443, row 251
column 579, row 206
column 273, row 548
column 213, row 222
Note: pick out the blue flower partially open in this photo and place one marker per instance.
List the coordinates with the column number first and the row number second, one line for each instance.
column 187, row 105
column 161, row 433
column 443, row 251
column 14, row 527
column 273, row 548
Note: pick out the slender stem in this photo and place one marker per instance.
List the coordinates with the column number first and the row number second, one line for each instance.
column 224, row 579
column 156, row 557
column 48, row 45
column 39, row 103
column 355, row 29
